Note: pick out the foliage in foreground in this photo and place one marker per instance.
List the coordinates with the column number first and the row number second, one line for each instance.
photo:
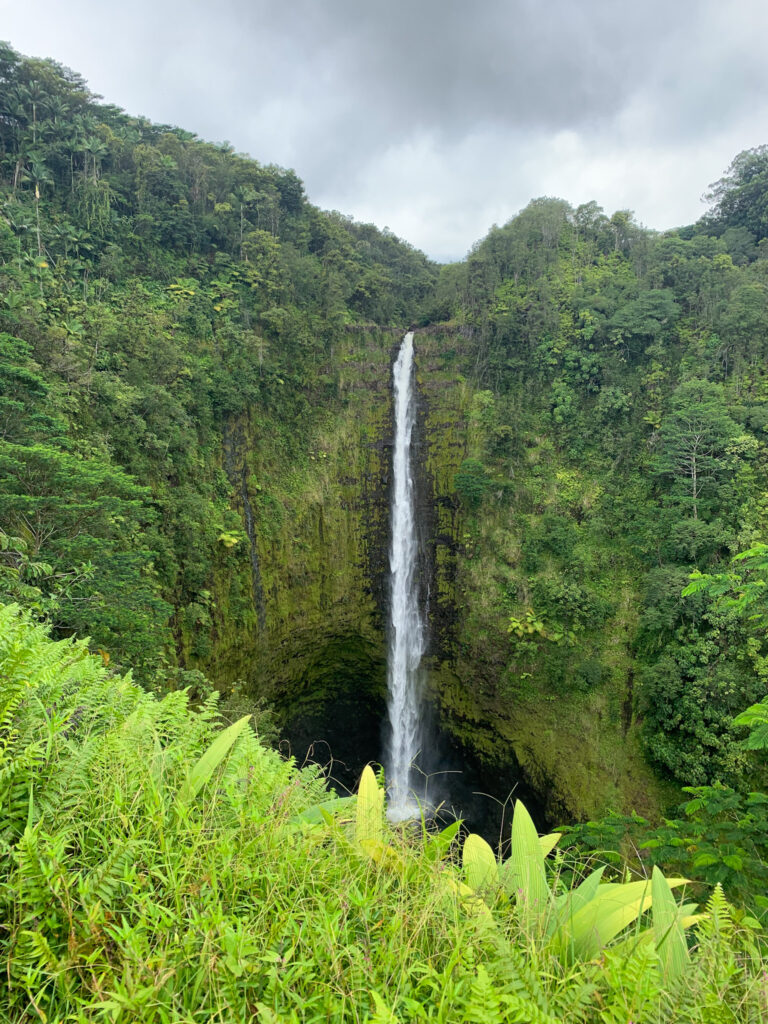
column 155, row 868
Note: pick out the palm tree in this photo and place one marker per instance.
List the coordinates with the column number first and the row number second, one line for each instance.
column 38, row 173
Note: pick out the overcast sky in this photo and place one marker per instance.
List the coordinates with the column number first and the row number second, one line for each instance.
column 438, row 118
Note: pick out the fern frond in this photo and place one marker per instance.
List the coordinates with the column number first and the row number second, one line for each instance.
column 719, row 913
column 109, row 878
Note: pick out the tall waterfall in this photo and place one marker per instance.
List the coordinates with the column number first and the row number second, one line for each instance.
column 406, row 629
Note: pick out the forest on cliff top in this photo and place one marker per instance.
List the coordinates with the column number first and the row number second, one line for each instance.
column 155, row 289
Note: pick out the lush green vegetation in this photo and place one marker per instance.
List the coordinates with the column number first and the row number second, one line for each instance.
column 156, row 868
column 617, row 446
column 191, row 419
column 156, row 291
column 618, row 443
column 721, row 834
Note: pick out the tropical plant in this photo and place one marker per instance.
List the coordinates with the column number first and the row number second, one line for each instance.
column 155, row 867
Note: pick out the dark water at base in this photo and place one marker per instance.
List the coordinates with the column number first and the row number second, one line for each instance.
column 346, row 733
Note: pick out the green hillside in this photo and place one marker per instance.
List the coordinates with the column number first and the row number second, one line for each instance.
column 195, row 447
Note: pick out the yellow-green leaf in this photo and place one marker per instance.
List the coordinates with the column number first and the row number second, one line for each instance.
column 668, row 934
column 613, row 908
column 382, row 854
column 480, row 868
column 548, row 843
column 470, row 901
column 370, row 807
column 526, row 877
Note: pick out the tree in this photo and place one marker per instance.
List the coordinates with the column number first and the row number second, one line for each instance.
column 740, row 197
column 24, row 395
column 743, row 591
column 471, row 482
column 695, row 435
column 644, row 320
column 744, row 326
column 85, row 519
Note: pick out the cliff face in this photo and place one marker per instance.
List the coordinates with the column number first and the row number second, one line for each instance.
column 300, row 605
column 316, row 555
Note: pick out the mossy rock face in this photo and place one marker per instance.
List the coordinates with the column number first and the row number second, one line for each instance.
column 575, row 755
column 300, row 606
column 318, row 551
column 563, row 725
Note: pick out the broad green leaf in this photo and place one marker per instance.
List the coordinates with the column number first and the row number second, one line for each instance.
column 689, row 920
column 470, row 901
column 570, row 903
column 685, row 910
column 370, row 807
column 436, row 846
column 203, row 769
column 526, row 878
column 668, row 934
column 382, row 854
column 548, row 843
column 613, row 908
column 639, row 939
column 314, row 815
column 480, row 868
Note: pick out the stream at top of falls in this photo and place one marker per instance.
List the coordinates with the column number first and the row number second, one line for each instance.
column 407, row 633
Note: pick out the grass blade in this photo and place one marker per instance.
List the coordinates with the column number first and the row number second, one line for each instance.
column 203, row 769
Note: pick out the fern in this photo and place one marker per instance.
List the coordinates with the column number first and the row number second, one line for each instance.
column 114, row 906
column 110, row 878
column 631, row 985
column 719, row 919
column 484, row 1003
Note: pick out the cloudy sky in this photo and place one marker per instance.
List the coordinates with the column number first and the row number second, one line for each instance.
column 438, row 118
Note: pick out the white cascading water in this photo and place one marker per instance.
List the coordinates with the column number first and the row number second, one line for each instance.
column 406, row 629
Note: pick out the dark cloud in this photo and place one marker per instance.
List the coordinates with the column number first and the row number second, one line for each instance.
column 448, row 65
column 433, row 115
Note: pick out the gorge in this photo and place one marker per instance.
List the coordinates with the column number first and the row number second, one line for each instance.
column 260, row 539
column 403, row 526
column 197, row 419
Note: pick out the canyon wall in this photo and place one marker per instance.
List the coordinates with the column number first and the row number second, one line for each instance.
column 300, row 602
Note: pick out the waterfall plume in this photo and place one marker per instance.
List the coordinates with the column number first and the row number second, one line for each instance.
column 406, row 628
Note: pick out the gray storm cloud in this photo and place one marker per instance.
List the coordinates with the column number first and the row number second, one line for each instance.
column 433, row 116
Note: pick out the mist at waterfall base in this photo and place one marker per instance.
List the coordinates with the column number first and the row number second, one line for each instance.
column 351, row 730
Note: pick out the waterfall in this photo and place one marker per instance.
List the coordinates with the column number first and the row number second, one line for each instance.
column 406, row 629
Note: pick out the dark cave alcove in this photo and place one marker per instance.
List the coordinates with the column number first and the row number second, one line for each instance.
column 337, row 718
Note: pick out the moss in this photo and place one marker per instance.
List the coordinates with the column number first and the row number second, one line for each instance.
column 579, row 750
column 321, row 527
